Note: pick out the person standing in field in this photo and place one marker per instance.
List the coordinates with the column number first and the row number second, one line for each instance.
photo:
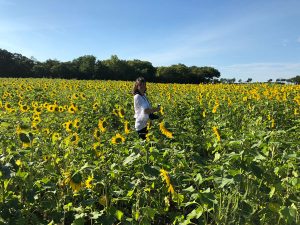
column 142, row 107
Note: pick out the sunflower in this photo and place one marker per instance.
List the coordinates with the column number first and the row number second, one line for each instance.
column 24, row 108
column 74, row 138
column 76, row 123
column 82, row 95
column 75, row 96
column 89, row 181
column 72, row 109
column 46, row 130
column 55, row 137
column 117, row 139
column 95, row 106
column 51, row 108
column 115, row 112
column 97, row 146
column 26, row 139
column 68, row 125
column 34, row 104
column 215, row 129
column 34, row 126
column 74, row 180
column 126, row 127
column 121, row 112
column 37, row 119
column 102, row 124
column 37, row 110
column 8, row 107
column 165, row 131
column 97, row 134
column 60, row 108
column 165, row 177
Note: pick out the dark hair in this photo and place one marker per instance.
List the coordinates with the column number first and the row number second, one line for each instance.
column 135, row 87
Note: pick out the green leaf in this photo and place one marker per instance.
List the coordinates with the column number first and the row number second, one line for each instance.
column 119, row 215
column 177, row 197
column 78, row 221
column 217, row 156
column 148, row 212
column 151, row 170
column 130, row 159
column 226, row 181
column 189, row 189
column 196, row 213
column 272, row 192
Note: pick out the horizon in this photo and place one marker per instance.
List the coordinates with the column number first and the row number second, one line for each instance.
column 242, row 40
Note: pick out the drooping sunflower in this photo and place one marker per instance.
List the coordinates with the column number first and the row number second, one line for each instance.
column 117, row 139
column 126, row 127
column 74, row 180
column 165, row 177
column 102, row 124
column 121, row 112
column 165, row 131
column 216, row 132
column 26, row 139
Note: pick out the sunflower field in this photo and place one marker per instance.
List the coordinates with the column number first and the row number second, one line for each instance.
column 218, row 154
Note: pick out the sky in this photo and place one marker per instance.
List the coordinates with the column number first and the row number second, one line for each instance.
column 258, row 39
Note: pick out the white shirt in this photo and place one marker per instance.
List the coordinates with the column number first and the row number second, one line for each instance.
column 141, row 118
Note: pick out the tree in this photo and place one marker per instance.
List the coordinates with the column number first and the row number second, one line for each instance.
column 295, row 80
column 249, row 80
column 85, row 66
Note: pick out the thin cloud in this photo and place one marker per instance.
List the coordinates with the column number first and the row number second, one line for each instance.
column 298, row 40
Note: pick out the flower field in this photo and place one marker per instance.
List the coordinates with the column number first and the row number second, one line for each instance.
column 218, row 154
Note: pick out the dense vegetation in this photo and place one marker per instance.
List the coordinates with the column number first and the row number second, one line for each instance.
column 88, row 67
column 219, row 154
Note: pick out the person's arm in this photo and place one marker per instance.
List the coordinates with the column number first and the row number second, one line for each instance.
column 151, row 110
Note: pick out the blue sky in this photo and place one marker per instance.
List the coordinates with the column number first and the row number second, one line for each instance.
column 258, row 39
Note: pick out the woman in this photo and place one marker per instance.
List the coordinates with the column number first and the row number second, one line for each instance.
column 142, row 107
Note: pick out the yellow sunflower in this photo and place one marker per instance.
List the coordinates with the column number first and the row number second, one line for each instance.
column 24, row 108
column 117, row 139
column 121, row 112
column 165, row 131
column 88, row 182
column 51, row 108
column 55, row 137
column 102, row 124
column 74, row 180
column 74, row 138
column 97, row 134
column 76, row 123
column 95, row 106
column 72, row 109
column 126, row 127
column 68, row 125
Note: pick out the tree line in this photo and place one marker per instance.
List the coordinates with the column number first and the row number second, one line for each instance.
column 87, row 67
